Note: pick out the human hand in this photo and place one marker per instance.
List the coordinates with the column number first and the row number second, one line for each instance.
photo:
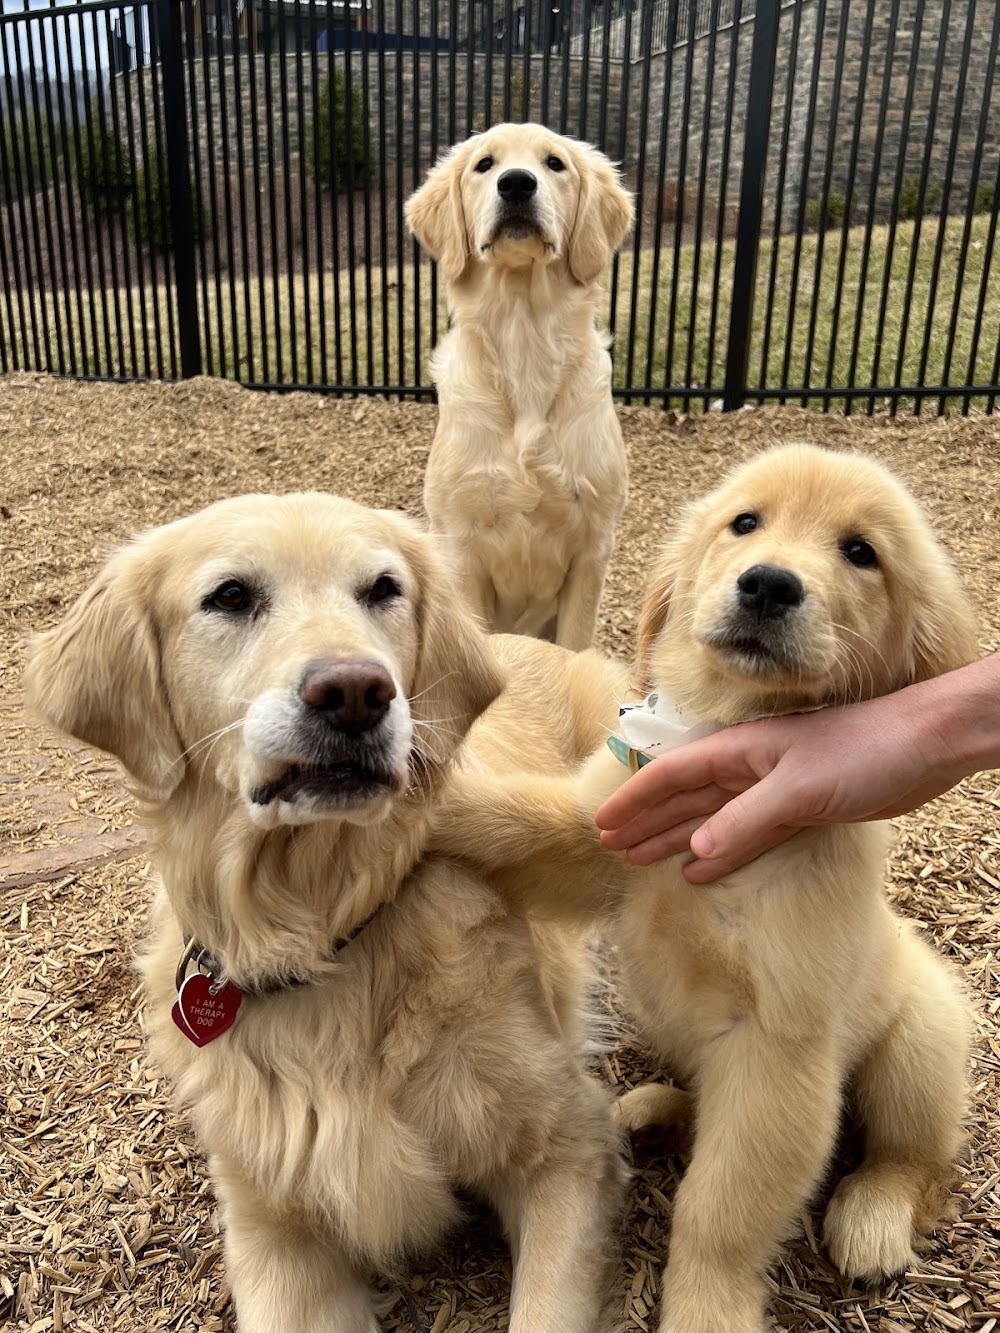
column 733, row 795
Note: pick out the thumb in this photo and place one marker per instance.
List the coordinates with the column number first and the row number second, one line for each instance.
column 747, row 825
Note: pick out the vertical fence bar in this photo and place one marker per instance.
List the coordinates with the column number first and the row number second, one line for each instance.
column 800, row 221
column 911, row 271
column 331, row 165
column 661, row 173
column 89, row 243
column 866, row 244
column 758, row 122
column 904, row 134
column 366, row 141
column 201, row 211
column 963, row 252
column 242, row 196
column 272, row 189
column 679, row 210
column 845, row 232
column 163, row 185
column 720, row 221
column 59, row 179
column 779, row 193
column 253, row 48
column 831, row 141
column 383, row 195
column 303, row 192
column 182, row 227
column 226, row 187
column 956, row 131
column 703, row 176
column 116, row 212
column 645, row 39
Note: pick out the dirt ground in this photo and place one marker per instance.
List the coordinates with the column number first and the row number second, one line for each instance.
column 108, row 1222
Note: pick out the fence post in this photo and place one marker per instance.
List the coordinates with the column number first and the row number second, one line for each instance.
column 758, row 124
column 168, row 21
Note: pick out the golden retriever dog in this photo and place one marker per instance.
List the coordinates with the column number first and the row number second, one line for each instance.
column 790, row 988
column 527, row 474
column 288, row 680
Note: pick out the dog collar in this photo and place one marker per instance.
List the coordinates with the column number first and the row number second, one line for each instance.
column 207, row 1004
column 653, row 727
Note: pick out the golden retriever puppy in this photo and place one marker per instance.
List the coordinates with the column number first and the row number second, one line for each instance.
column 365, row 1028
column 527, row 473
column 808, row 578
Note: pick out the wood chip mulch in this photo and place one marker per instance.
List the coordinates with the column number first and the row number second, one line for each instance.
column 107, row 1221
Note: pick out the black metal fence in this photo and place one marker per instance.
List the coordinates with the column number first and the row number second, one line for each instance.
column 217, row 186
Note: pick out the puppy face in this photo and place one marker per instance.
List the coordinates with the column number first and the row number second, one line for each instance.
column 301, row 652
column 518, row 195
column 808, row 577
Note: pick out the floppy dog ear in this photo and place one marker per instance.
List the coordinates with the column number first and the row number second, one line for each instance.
column 944, row 634
column 603, row 215
column 457, row 675
column 436, row 217
column 652, row 619
column 97, row 676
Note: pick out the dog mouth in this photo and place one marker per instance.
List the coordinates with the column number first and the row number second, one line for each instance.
column 517, row 225
column 753, row 655
column 331, row 784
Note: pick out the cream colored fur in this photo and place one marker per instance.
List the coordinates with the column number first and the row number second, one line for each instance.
column 527, row 473
column 790, row 987
column 440, row 1049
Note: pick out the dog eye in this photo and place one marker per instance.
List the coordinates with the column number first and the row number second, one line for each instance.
column 555, row 163
column 860, row 553
column 743, row 523
column 483, row 165
column 232, row 596
column 384, row 589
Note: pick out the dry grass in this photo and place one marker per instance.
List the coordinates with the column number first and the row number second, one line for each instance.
column 108, row 1222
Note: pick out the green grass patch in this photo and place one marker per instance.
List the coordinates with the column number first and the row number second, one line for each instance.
column 808, row 328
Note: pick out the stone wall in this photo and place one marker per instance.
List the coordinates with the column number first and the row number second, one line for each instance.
column 696, row 96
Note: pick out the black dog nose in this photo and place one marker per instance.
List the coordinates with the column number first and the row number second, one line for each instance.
column 352, row 696
column 768, row 592
column 516, row 186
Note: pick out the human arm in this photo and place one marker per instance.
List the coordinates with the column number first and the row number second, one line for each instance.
column 732, row 795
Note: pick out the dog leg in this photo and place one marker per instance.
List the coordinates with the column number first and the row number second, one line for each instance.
column 765, row 1125
column 283, row 1275
column 579, row 598
column 560, row 1215
column 911, row 1096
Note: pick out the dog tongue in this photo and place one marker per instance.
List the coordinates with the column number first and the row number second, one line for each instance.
column 204, row 1010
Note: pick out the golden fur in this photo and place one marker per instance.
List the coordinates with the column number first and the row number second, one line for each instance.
column 527, row 473
column 439, row 1048
column 789, row 984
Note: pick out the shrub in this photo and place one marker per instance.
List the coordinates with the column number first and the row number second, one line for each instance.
column 21, row 144
column 836, row 207
column 909, row 197
column 985, row 197
column 328, row 162
column 151, row 221
column 104, row 172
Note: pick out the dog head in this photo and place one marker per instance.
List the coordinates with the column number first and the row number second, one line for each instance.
column 808, row 577
column 518, row 195
column 303, row 653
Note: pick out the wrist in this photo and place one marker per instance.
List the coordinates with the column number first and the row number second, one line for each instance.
column 958, row 718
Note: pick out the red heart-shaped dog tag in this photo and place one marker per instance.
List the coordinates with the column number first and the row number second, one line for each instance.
column 205, row 1010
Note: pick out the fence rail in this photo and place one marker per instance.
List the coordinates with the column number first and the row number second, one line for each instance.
column 208, row 186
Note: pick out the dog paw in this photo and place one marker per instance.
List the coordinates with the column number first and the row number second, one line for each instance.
column 653, row 1104
column 868, row 1228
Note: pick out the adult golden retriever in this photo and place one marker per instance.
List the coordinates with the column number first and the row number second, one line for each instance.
column 809, row 578
column 527, row 473
column 288, row 680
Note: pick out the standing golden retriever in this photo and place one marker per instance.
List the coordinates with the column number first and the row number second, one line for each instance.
column 527, row 474
column 809, row 578
column 288, row 679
